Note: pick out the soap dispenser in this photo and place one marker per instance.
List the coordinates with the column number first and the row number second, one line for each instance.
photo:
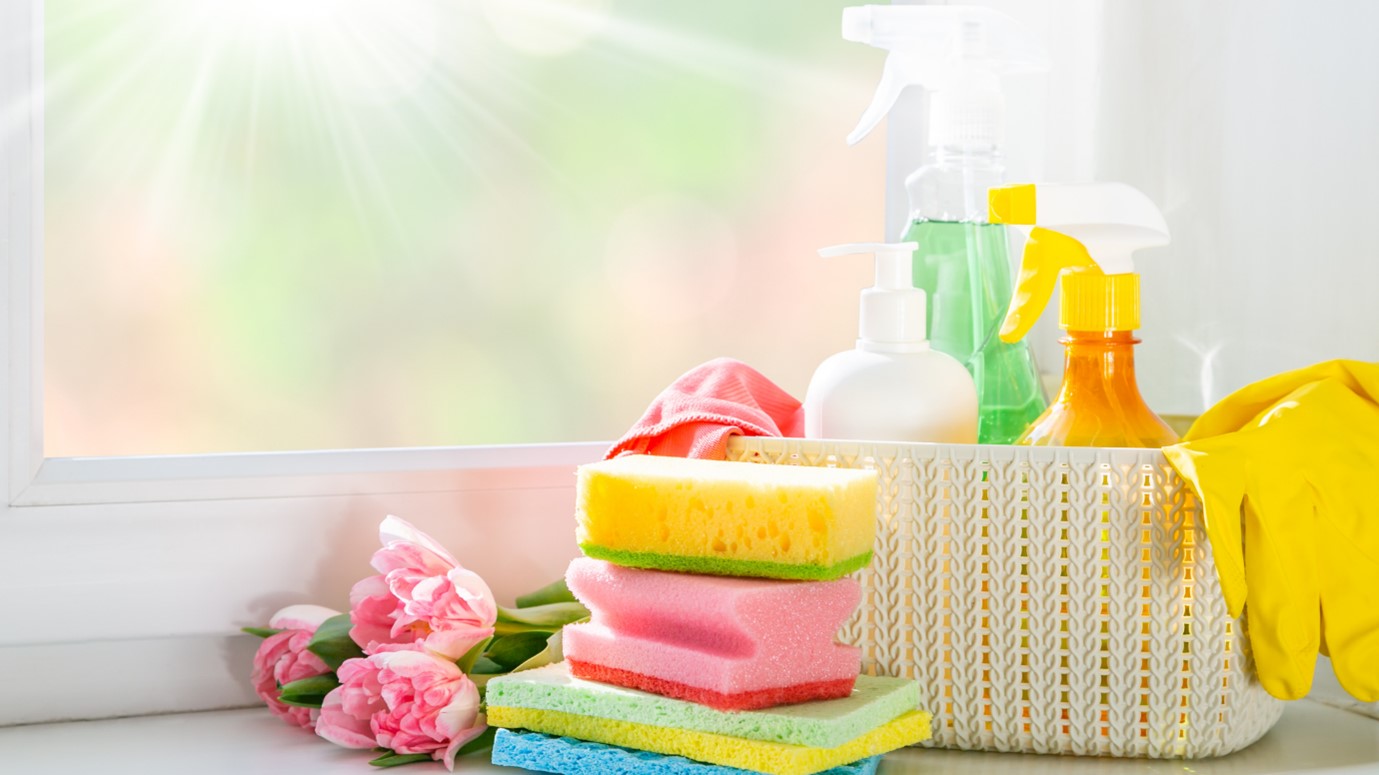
column 893, row 386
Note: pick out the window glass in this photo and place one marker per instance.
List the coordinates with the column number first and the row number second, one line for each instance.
column 296, row 224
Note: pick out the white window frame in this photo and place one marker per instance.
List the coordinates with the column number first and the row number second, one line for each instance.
column 62, row 519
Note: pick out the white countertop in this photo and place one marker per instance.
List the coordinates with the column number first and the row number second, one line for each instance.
column 1310, row 738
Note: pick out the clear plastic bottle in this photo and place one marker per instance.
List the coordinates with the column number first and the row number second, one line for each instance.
column 959, row 54
column 963, row 264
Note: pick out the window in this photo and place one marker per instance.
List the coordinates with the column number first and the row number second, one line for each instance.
column 223, row 540
column 303, row 224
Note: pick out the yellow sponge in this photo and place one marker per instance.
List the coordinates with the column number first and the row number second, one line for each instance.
column 730, row 519
column 755, row 755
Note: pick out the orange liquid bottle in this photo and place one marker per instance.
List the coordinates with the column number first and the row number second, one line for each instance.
column 1099, row 403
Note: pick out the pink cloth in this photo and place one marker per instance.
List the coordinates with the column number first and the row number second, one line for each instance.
column 696, row 415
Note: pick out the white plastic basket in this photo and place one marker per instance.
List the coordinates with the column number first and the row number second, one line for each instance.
column 1048, row 600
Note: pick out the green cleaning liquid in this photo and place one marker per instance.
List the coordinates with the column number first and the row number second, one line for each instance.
column 965, row 316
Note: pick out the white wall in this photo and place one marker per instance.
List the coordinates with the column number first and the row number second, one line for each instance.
column 1255, row 126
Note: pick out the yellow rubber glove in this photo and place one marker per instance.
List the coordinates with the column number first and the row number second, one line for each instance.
column 1287, row 470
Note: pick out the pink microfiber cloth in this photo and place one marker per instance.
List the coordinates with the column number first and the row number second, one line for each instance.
column 696, row 415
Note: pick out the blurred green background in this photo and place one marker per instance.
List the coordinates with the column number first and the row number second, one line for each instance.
column 303, row 224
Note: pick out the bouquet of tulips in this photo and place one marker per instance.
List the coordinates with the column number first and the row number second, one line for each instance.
column 403, row 672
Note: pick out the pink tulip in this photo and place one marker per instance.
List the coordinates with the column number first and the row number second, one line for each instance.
column 283, row 658
column 373, row 610
column 420, row 595
column 409, row 701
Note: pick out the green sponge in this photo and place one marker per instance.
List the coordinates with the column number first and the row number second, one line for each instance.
column 825, row 724
column 716, row 566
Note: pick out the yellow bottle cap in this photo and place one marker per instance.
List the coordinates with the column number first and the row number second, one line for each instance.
column 1093, row 301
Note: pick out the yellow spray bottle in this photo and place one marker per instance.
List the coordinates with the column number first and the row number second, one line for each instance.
column 1086, row 234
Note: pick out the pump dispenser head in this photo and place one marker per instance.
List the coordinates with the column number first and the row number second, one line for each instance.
column 1087, row 233
column 891, row 314
column 958, row 52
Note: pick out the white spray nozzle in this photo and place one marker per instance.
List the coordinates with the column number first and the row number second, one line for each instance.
column 1110, row 220
column 891, row 314
column 945, row 48
column 1086, row 234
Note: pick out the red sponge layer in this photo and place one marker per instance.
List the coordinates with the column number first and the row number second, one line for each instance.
column 750, row 700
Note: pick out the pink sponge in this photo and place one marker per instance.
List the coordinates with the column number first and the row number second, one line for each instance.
column 729, row 643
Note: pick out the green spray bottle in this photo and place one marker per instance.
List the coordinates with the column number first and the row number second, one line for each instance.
column 959, row 54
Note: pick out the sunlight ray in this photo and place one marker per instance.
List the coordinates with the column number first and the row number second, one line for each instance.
column 183, row 139
column 750, row 68
column 59, row 81
column 258, row 74
column 320, row 119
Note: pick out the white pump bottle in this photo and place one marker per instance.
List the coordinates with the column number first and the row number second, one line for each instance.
column 893, row 386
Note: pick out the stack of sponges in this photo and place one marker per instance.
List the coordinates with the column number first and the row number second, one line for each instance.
column 716, row 591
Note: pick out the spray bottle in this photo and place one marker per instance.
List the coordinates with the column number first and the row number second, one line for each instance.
column 893, row 386
column 1086, row 234
column 959, row 53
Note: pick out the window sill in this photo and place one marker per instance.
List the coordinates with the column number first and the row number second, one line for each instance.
column 1311, row 738
column 319, row 473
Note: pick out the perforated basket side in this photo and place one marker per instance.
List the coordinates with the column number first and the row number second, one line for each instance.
column 1047, row 600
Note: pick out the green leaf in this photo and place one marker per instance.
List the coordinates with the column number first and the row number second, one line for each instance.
column 262, row 632
column 486, row 666
column 308, row 692
column 466, row 662
column 479, row 743
column 486, row 669
column 549, row 617
column 332, row 642
column 551, row 654
column 391, row 759
column 554, row 592
column 512, row 650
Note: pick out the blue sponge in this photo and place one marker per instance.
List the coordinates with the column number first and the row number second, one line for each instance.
column 568, row 756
